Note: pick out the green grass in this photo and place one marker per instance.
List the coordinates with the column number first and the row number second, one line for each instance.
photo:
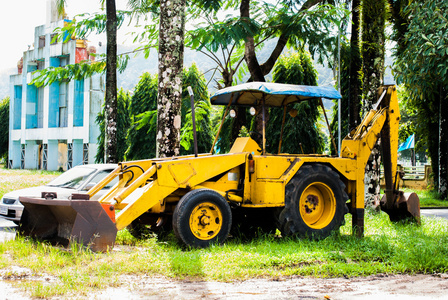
column 11, row 180
column 75, row 272
column 429, row 198
column 386, row 248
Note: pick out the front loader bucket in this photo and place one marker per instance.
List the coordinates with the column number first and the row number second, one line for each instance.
column 64, row 221
column 406, row 207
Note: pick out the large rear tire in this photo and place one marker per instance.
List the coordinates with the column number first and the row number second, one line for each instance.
column 202, row 217
column 315, row 203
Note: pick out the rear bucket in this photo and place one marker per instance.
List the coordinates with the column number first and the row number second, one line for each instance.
column 407, row 207
column 64, row 221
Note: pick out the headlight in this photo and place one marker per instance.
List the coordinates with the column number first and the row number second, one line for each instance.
column 9, row 201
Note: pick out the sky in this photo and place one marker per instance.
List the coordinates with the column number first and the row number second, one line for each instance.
column 18, row 18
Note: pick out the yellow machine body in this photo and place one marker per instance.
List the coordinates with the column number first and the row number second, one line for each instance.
column 248, row 179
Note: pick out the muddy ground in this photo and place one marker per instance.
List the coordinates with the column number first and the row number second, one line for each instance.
column 383, row 287
column 371, row 287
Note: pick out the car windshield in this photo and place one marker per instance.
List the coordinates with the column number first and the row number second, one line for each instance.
column 73, row 178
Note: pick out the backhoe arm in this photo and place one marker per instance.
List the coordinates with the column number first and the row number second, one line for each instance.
column 381, row 121
column 389, row 142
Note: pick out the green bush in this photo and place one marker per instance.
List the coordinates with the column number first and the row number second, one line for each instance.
column 123, row 123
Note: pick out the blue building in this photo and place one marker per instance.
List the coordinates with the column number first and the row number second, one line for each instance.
column 53, row 127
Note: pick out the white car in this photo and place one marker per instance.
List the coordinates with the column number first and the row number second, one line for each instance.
column 76, row 180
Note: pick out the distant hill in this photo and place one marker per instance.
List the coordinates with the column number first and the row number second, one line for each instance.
column 137, row 65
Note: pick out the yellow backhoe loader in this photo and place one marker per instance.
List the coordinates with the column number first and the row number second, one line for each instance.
column 200, row 194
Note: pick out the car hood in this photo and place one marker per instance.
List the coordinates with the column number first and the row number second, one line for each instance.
column 62, row 193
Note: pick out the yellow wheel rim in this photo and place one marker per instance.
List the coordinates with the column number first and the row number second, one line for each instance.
column 205, row 221
column 317, row 205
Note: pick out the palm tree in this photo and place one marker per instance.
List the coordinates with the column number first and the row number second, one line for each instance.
column 111, row 82
column 171, row 54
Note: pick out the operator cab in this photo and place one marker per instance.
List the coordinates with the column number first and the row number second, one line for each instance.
column 261, row 95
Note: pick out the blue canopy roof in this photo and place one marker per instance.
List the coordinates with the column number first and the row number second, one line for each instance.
column 274, row 94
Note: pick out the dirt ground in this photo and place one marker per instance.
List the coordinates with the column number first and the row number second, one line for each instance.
column 371, row 287
column 383, row 287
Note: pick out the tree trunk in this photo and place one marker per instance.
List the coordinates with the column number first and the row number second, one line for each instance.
column 254, row 69
column 355, row 69
column 111, row 83
column 443, row 144
column 267, row 66
column 249, row 52
column 373, row 41
column 171, row 54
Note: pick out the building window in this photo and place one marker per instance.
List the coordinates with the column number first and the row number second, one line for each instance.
column 40, row 107
column 17, row 107
column 53, row 101
column 40, row 64
column 53, row 39
column 85, row 154
column 64, row 60
column 63, row 111
column 42, row 41
column 44, row 156
column 78, row 114
column 22, row 157
column 69, row 156
column 31, row 106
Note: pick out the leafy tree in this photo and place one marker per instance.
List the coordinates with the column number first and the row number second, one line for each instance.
column 288, row 23
column 236, row 38
column 296, row 23
column 354, row 88
column 291, row 23
column 143, row 109
column 123, row 124
column 373, row 50
column 300, row 132
column 410, row 124
column 422, row 63
column 4, row 128
column 143, row 114
column 194, row 78
column 347, row 93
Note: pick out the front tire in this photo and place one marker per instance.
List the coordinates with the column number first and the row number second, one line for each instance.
column 315, row 203
column 202, row 217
